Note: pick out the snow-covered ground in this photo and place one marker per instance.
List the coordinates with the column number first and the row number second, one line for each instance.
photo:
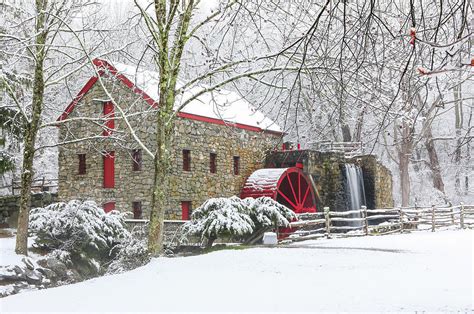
column 418, row 271
column 7, row 250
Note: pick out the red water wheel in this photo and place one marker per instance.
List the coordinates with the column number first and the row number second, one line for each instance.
column 288, row 186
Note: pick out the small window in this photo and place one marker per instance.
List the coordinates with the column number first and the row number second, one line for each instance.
column 186, row 160
column 109, row 206
column 236, row 165
column 109, row 169
column 137, row 210
column 82, row 163
column 137, row 160
column 108, row 112
column 185, row 210
column 212, row 163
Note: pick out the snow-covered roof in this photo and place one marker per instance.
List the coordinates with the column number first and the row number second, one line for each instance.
column 219, row 104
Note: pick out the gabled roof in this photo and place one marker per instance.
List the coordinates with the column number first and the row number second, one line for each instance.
column 218, row 107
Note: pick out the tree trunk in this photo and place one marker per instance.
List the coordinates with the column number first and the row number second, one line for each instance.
column 210, row 241
column 404, row 179
column 434, row 161
column 458, row 111
column 468, row 154
column 404, row 155
column 168, row 62
column 346, row 133
column 159, row 202
column 31, row 132
column 21, row 246
column 359, row 125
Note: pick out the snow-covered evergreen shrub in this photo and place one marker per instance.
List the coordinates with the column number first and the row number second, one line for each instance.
column 266, row 212
column 219, row 217
column 131, row 254
column 236, row 217
column 80, row 233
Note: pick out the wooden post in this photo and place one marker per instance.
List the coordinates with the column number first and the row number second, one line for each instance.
column 433, row 223
column 400, row 219
column 452, row 213
column 417, row 215
column 461, row 216
column 366, row 221
column 328, row 222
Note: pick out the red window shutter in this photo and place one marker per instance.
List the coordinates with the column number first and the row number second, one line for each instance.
column 137, row 160
column 109, row 169
column 236, row 165
column 212, row 163
column 186, row 160
column 137, row 210
column 82, row 163
column 185, row 210
column 109, row 114
column 109, row 206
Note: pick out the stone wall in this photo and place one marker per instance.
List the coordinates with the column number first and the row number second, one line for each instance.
column 377, row 182
column 201, row 138
column 9, row 206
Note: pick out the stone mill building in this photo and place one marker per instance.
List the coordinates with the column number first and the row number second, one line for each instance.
column 220, row 140
column 223, row 146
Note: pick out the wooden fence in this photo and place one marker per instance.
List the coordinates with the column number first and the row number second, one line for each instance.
column 329, row 224
column 350, row 149
column 333, row 224
column 38, row 185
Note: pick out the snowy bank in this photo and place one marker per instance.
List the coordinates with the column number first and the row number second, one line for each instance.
column 418, row 271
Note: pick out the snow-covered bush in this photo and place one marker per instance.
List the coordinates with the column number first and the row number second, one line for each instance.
column 79, row 233
column 236, row 217
column 131, row 254
column 266, row 212
column 219, row 217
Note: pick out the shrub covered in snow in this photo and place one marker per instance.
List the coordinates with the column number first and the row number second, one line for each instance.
column 80, row 234
column 236, row 217
column 266, row 212
column 219, row 217
column 130, row 253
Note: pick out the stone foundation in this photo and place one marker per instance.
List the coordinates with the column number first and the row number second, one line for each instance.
column 377, row 182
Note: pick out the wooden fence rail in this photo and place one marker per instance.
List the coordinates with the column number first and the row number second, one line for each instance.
column 364, row 221
column 38, row 185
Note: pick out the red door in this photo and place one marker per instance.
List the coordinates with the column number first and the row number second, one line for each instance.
column 109, row 169
column 108, row 112
column 109, row 206
column 185, row 210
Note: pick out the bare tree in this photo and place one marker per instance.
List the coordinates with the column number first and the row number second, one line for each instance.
column 36, row 38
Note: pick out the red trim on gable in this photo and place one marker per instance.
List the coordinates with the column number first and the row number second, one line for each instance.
column 223, row 122
column 104, row 64
column 78, row 98
column 99, row 63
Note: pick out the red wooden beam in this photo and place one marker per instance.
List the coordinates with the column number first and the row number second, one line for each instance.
column 78, row 98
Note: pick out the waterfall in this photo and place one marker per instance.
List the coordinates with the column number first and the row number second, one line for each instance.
column 355, row 190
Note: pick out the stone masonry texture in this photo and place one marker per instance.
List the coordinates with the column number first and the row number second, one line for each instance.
column 9, row 206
